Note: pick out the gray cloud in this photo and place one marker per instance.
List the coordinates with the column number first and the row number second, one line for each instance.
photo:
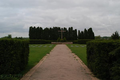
column 18, row 15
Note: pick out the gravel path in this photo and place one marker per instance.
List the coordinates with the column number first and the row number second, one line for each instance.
column 61, row 64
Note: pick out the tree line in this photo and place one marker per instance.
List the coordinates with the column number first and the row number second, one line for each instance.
column 86, row 34
column 54, row 33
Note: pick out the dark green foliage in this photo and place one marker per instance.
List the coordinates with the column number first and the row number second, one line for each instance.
column 98, row 37
column 13, row 55
column 71, row 34
column 90, row 34
column 46, row 34
column 99, row 58
column 115, row 35
column 61, row 40
column 82, row 35
column 79, row 34
column 55, row 32
column 64, row 39
column 75, row 42
column 115, row 64
column 39, row 41
column 83, row 41
column 7, row 37
column 58, row 40
column 86, row 34
column 8, row 77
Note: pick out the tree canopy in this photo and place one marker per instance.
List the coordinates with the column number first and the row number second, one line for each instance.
column 53, row 33
column 115, row 35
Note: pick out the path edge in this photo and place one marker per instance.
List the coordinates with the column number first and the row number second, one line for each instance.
column 88, row 71
column 32, row 70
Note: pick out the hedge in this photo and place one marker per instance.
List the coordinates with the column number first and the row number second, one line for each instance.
column 13, row 56
column 115, row 64
column 81, row 41
column 39, row 41
column 103, row 59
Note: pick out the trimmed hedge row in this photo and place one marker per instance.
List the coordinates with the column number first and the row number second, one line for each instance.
column 13, row 55
column 115, row 66
column 103, row 59
column 81, row 41
column 39, row 41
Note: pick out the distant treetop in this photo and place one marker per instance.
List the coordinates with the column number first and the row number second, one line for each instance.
column 53, row 33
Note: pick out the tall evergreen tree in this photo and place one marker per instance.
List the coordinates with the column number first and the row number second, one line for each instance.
column 30, row 32
column 91, row 34
column 46, row 34
column 85, row 34
column 53, row 34
column 34, row 32
column 71, row 33
column 40, row 32
column 115, row 35
column 79, row 34
column 37, row 33
column 75, row 34
column 65, row 32
column 50, row 33
column 82, row 35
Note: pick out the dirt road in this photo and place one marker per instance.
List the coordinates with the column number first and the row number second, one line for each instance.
column 60, row 64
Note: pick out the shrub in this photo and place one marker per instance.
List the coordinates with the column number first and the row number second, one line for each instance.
column 39, row 41
column 58, row 40
column 98, row 58
column 61, row 40
column 13, row 55
column 115, row 35
column 75, row 42
column 115, row 64
column 65, row 40
column 83, row 41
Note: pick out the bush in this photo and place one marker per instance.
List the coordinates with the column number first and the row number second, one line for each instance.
column 99, row 58
column 61, row 40
column 39, row 41
column 8, row 78
column 75, row 42
column 82, row 41
column 13, row 56
column 115, row 64
column 115, row 35
column 58, row 40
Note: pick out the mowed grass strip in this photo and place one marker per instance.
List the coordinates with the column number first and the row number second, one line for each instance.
column 37, row 52
column 79, row 50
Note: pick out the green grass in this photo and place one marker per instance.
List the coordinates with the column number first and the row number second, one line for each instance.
column 79, row 50
column 37, row 52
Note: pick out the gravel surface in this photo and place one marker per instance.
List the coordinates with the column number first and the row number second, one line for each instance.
column 60, row 64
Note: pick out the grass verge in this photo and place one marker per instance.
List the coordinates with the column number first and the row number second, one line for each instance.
column 37, row 52
column 79, row 50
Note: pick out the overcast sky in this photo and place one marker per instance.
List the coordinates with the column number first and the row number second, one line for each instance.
column 16, row 16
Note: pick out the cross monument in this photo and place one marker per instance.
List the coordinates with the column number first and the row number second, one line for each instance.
column 61, row 32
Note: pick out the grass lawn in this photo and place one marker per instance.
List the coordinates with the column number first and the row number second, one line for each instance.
column 79, row 50
column 37, row 52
